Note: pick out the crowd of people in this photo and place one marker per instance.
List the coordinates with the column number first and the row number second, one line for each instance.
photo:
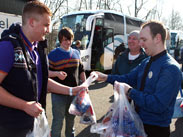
column 151, row 77
column 154, row 84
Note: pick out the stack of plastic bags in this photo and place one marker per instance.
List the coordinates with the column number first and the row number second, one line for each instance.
column 82, row 106
column 41, row 127
column 121, row 120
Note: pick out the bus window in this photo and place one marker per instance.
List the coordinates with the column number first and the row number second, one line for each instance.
column 78, row 32
column 173, row 39
column 84, row 42
column 108, row 35
column 132, row 24
column 181, row 43
column 114, row 21
column 99, row 22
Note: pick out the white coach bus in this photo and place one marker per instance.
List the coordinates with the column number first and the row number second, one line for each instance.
column 176, row 45
column 100, row 32
column 7, row 19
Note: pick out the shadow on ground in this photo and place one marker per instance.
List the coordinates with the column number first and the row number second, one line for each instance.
column 97, row 85
column 111, row 99
column 177, row 133
column 86, row 131
column 178, row 128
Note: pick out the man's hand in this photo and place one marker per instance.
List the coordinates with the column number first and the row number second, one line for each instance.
column 77, row 89
column 61, row 75
column 126, row 87
column 101, row 76
column 33, row 109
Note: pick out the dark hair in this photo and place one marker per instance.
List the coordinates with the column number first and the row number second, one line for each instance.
column 156, row 28
column 34, row 7
column 65, row 32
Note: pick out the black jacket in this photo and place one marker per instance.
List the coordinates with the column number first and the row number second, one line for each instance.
column 21, row 80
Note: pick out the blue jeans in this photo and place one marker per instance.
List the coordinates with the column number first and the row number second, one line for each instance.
column 4, row 132
column 60, row 107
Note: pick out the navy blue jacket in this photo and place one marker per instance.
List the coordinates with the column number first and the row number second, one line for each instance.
column 156, row 101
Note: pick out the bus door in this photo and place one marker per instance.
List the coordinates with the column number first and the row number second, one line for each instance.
column 97, row 48
column 108, row 43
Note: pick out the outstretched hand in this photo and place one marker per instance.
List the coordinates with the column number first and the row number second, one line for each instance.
column 101, row 76
column 77, row 89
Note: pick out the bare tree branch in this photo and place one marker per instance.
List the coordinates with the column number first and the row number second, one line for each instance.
column 80, row 5
column 175, row 21
column 58, row 4
column 129, row 10
column 147, row 15
column 86, row 4
column 137, row 9
column 98, row 4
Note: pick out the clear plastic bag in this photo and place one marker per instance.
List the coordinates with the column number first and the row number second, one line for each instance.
column 101, row 128
column 41, row 127
column 82, row 106
column 123, row 121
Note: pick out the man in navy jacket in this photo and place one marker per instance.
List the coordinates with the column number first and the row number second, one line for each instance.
column 157, row 78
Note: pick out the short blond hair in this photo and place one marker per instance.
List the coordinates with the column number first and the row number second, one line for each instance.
column 32, row 8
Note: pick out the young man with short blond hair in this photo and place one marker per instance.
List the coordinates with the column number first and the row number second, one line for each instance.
column 24, row 73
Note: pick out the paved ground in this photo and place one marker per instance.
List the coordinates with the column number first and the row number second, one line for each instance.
column 101, row 96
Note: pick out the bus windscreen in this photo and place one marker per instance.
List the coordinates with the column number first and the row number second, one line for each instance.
column 78, row 24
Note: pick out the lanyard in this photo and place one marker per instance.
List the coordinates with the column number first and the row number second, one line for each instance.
column 148, row 67
column 142, row 85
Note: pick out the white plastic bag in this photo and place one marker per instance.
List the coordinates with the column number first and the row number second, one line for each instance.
column 101, row 128
column 82, row 106
column 93, row 76
column 124, row 121
column 41, row 127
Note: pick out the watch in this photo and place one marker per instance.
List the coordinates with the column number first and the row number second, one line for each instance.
column 128, row 92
